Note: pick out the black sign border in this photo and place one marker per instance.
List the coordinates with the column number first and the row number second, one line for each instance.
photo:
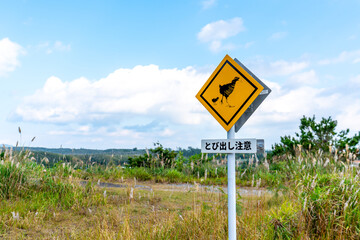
column 202, row 97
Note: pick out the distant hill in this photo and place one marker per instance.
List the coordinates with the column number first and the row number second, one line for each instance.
column 84, row 151
column 116, row 156
column 112, row 151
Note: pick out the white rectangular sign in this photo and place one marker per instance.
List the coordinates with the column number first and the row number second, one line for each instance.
column 228, row 145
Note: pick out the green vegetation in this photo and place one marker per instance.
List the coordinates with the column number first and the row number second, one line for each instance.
column 314, row 136
column 101, row 157
column 27, row 188
column 314, row 194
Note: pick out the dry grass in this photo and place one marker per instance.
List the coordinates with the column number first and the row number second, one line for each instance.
column 319, row 200
column 157, row 214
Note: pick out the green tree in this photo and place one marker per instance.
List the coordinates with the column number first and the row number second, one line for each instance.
column 159, row 156
column 165, row 155
column 316, row 135
column 351, row 142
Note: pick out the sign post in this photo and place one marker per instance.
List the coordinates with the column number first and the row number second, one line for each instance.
column 231, row 92
column 231, row 189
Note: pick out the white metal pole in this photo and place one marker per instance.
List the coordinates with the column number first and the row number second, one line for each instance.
column 231, row 190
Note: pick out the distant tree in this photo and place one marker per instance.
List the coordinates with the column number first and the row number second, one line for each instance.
column 140, row 161
column 316, row 135
column 287, row 145
column 344, row 140
column 158, row 156
column 190, row 151
column 165, row 155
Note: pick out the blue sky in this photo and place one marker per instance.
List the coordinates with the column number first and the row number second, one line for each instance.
column 123, row 74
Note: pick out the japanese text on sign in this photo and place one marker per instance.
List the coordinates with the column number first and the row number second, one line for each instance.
column 228, row 146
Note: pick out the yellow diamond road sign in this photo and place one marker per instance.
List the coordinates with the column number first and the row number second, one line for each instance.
column 229, row 92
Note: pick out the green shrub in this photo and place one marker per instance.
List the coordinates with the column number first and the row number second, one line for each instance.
column 157, row 157
column 330, row 201
column 174, row 176
column 40, row 188
column 284, row 221
column 139, row 173
column 13, row 180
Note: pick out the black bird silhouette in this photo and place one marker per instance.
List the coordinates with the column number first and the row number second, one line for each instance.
column 214, row 100
column 227, row 89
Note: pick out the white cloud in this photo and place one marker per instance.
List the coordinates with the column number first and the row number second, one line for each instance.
column 305, row 78
column 221, row 29
column 276, row 68
column 281, row 111
column 215, row 32
column 278, row 35
column 84, row 129
column 142, row 91
column 355, row 80
column 216, row 46
column 9, row 54
column 287, row 105
column 167, row 133
column 356, row 60
column 5, row 142
column 208, row 3
column 345, row 56
column 248, row 44
column 57, row 46
column 145, row 104
column 349, row 116
column 286, row 68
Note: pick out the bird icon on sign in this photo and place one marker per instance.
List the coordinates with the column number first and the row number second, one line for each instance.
column 227, row 89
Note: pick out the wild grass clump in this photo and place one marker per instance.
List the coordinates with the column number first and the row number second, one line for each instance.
column 173, row 176
column 205, row 222
column 284, row 221
column 29, row 188
column 113, row 173
column 13, row 180
column 94, row 172
column 330, row 203
column 325, row 194
column 15, row 172
column 139, row 173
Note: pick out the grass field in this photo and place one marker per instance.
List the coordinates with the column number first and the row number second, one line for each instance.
column 313, row 196
column 164, row 212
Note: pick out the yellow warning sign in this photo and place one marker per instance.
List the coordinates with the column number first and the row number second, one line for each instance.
column 229, row 92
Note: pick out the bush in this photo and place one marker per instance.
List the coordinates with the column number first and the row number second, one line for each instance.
column 174, row 176
column 13, row 180
column 139, row 173
column 38, row 187
column 330, row 201
column 157, row 157
column 284, row 221
column 324, row 194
